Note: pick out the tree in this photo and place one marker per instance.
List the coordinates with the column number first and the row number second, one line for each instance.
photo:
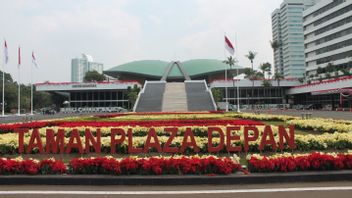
column 275, row 45
column 251, row 56
column 132, row 94
column 216, row 94
column 266, row 68
column 266, row 83
column 278, row 77
column 94, row 76
column 251, row 75
column 40, row 99
column 230, row 62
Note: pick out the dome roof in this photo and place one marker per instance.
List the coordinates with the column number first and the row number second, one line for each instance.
column 156, row 68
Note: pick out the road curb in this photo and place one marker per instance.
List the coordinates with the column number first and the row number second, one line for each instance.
column 239, row 178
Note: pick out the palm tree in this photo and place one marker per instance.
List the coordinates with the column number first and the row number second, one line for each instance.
column 231, row 62
column 278, row 77
column 251, row 56
column 266, row 68
column 251, row 75
column 275, row 45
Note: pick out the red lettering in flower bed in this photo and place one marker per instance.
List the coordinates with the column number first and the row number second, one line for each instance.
column 56, row 142
column 231, row 137
column 192, row 143
column 167, row 148
column 149, row 144
column 248, row 138
column 114, row 142
column 74, row 137
column 52, row 143
column 220, row 146
column 290, row 139
column 96, row 143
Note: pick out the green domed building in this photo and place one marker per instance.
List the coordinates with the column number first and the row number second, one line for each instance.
column 196, row 69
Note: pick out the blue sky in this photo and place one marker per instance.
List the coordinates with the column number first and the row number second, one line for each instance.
column 118, row 31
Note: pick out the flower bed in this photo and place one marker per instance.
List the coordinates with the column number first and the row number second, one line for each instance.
column 112, row 115
column 326, row 125
column 127, row 166
column 31, row 167
column 289, row 162
column 155, row 123
column 327, row 141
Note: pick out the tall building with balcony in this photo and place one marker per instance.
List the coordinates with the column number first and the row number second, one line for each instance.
column 328, row 39
column 80, row 66
column 288, row 39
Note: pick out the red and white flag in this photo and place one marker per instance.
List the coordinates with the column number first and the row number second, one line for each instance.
column 229, row 46
column 34, row 61
column 6, row 53
column 19, row 56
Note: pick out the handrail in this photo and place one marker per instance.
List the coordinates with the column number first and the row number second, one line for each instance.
column 139, row 96
column 211, row 95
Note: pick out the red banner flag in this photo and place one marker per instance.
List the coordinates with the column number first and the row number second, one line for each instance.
column 229, row 46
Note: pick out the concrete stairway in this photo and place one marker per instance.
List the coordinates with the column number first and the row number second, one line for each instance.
column 199, row 97
column 151, row 97
column 175, row 97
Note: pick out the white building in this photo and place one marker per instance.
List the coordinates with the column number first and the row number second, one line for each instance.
column 287, row 29
column 328, row 38
column 80, row 66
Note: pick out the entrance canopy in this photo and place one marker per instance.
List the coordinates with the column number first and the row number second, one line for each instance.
column 178, row 66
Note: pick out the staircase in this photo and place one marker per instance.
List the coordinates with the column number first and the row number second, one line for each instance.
column 175, row 97
column 199, row 97
column 151, row 97
column 159, row 96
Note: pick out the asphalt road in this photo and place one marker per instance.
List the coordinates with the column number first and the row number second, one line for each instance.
column 302, row 190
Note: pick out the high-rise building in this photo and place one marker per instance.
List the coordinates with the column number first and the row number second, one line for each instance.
column 328, row 39
column 288, row 39
column 80, row 66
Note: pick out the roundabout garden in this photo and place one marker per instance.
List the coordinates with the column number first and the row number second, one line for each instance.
column 189, row 143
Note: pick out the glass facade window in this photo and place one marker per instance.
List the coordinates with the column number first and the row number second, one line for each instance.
column 333, row 26
column 334, row 57
column 333, row 15
column 335, row 46
column 98, row 99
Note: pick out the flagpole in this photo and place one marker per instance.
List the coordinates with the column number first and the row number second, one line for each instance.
column 237, row 87
column 3, row 87
column 3, row 78
column 31, row 89
column 226, row 93
column 19, row 83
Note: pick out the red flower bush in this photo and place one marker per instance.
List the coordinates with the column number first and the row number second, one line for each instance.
column 31, row 167
column 313, row 161
column 153, row 166
column 50, row 166
column 10, row 166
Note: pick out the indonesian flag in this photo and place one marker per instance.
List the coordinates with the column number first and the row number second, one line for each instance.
column 34, row 61
column 229, row 46
column 19, row 56
column 6, row 53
